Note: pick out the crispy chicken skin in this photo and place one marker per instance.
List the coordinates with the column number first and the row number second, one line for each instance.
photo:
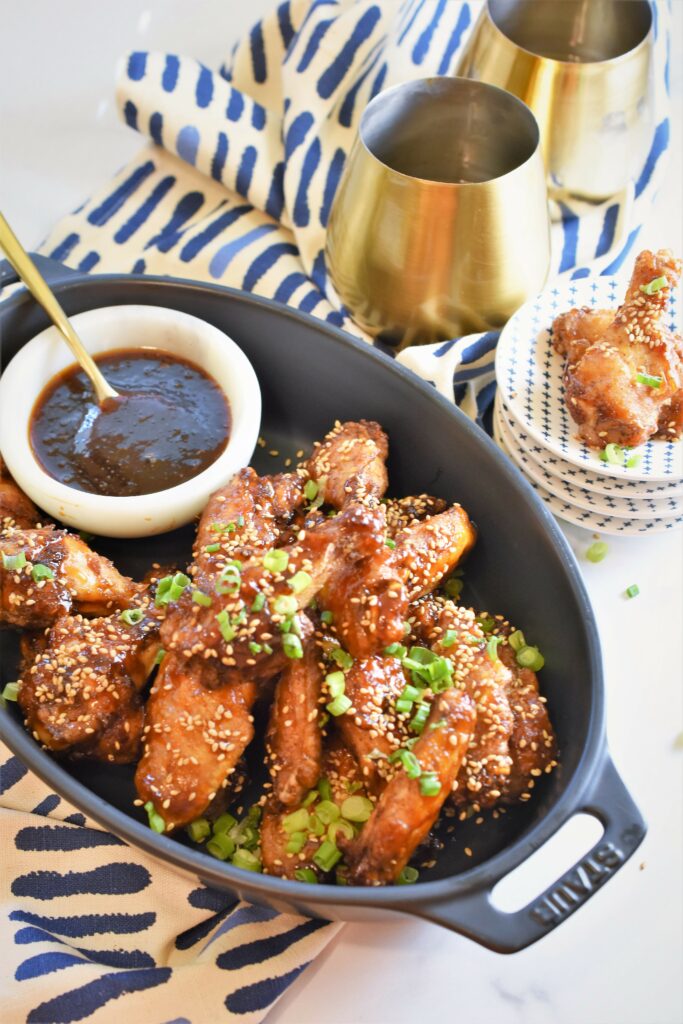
column 82, row 581
column 602, row 391
column 193, row 739
column 350, row 461
column 81, row 696
column 17, row 511
column 294, row 740
column 403, row 817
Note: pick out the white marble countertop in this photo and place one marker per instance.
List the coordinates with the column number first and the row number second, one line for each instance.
column 618, row 959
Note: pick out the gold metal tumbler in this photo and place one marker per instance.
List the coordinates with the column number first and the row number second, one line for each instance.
column 440, row 224
column 585, row 68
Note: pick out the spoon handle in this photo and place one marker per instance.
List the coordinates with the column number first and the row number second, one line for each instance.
column 36, row 284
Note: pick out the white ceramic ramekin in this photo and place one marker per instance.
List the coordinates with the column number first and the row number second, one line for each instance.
column 130, row 327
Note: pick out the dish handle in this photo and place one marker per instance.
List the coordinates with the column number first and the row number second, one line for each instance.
column 474, row 915
column 53, row 271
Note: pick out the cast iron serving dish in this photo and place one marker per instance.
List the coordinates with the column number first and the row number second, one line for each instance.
column 311, row 374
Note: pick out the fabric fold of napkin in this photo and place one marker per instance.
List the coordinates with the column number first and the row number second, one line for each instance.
column 234, row 186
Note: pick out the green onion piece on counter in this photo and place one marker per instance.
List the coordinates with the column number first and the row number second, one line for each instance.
column 285, row 605
column 199, row 830
column 357, row 808
column 345, row 827
column 449, row 638
column 516, row 640
column 300, row 581
column 258, row 602
column 492, row 647
column 275, row 561
column 336, row 683
column 419, row 719
column 430, row 784
column 132, row 616
column 11, row 691
column 212, row 548
column 200, row 598
column 161, row 653
column 310, row 490
column 633, row 590
column 296, row 843
column 597, row 551
column 221, row 846
column 306, row 875
column 228, row 631
column 342, row 658
column 156, row 822
column 13, row 563
column 327, row 855
column 224, row 823
column 246, row 860
column 297, row 821
column 339, row 706
column 324, row 788
column 291, row 645
column 390, row 543
column 530, row 657
column 41, row 572
column 453, row 587
column 327, row 811
column 396, row 649
column 654, row 286
column 327, row 618
column 408, row 876
column 311, row 798
column 650, row 380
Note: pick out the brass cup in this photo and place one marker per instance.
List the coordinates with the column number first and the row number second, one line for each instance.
column 440, row 225
column 585, row 68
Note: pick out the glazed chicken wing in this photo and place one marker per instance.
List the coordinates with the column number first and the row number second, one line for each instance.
column 17, row 511
column 429, row 550
column 626, row 385
column 350, row 462
column 46, row 573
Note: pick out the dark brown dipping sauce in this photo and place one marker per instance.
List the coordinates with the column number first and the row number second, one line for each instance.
column 170, row 422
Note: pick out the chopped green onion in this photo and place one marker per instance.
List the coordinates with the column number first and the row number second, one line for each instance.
column 327, row 855
column 449, row 638
column 13, row 562
column 316, row 827
column 403, row 707
column 492, row 647
column 228, row 631
column 311, row 798
column 255, row 648
column 633, row 590
column 212, row 548
column 516, row 640
column 41, row 572
column 650, row 380
column 357, row 808
column 310, row 490
column 258, row 602
column 411, row 694
column 306, row 875
column 336, row 683
column 160, row 656
column 339, row 706
column 300, row 581
column 417, row 722
column 406, row 628
column 229, row 581
column 324, row 788
column 323, row 720
column 408, row 876
column 222, row 527
column 297, row 821
column 633, row 462
column 327, row 618
column 530, row 657
column 267, row 649
column 390, row 543
column 220, row 846
column 240, row 520
column 285, row 605
column 296, row 843
column 654, row 286
column 597, row 551
column 453, row 587
column 430, row 784
column 345, row 827
column 200, row 598
column 410, row 763
column 156, row 822
column 132, row 616
column 275, row 560
column 613, row 454
column 224, row 823
column 396, row 649
column 11, row 691
column 291, row 645
column 327, row 811
column 486, row 623
column 199, row 830
column 429, row 668
column 170, row 588
column 342, row 658
column 246, row 860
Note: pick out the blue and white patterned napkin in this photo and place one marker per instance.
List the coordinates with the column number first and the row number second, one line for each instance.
column 235, row 186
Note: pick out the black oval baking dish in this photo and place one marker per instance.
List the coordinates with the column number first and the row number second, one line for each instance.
column 311, row 374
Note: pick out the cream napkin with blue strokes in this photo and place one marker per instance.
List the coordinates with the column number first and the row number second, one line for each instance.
column 235, row 186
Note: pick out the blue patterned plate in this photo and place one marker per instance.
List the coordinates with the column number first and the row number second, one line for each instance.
column 605, row 504
column 529, row 374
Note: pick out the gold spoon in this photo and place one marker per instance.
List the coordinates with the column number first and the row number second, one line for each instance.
column 39, row 288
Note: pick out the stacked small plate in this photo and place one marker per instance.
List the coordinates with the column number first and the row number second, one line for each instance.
column 639, row 493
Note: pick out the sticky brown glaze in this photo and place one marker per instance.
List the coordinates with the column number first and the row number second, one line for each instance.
column 350, row 462
column 430, row 550
column 17, row 511
column 294, row 738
